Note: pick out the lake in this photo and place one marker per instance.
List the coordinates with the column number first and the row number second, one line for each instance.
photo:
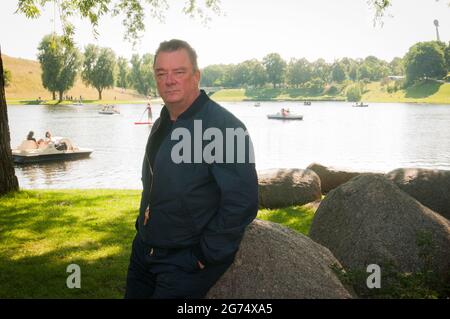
column 378, row 138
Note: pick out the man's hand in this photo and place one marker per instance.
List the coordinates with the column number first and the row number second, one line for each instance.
column 200, row 265
column 146, row 216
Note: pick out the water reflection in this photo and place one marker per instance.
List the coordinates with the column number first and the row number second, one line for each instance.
column 378, row 138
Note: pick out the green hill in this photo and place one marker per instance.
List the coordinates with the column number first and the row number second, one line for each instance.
column 26, row 84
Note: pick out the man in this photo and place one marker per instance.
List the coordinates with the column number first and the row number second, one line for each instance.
column 193, row 213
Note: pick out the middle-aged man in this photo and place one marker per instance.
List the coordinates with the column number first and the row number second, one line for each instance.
column 193, row 213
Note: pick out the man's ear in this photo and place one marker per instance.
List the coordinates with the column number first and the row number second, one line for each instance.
column 197, row 75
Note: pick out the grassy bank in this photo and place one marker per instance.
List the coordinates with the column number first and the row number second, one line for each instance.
column 428, row 92
column 43, row 231
column 436, row 93
column 85, row 102
column 271, row 94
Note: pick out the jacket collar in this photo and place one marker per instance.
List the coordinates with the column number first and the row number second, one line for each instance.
column 195, row 107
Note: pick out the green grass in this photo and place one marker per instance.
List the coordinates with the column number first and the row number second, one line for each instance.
column 85, row 102
column 298, row 218
column 427, row 92
column 271, row 94
column 44, row 231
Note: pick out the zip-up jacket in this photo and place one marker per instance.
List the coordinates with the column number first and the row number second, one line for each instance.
column 201, row 206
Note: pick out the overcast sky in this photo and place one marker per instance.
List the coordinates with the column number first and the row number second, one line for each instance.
column 313, row 29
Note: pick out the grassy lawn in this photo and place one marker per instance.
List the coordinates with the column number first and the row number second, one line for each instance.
column 271, row 94
column 85, row 102
column 428, row 92
column 43, row 231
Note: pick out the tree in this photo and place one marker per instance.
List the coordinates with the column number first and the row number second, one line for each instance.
column 123, row 71
column 241, row 74
column 141, row 74
column 60, row 62
column 338, row 72
column 424, row 60
column 98, row 68
column 447, row 56
column 396, row 66
column 298, row 72
column 275, row 68
column 353, row 93
column 133, row 11
column 353, row 74
column 7, row 76
column 8, row 179
column 321, row 70
column 257, row 76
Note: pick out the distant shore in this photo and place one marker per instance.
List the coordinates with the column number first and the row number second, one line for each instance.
column 375, row 93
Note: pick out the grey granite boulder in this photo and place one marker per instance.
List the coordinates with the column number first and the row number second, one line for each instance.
column 430, row 187
column 286, row 187
column 369, row 220
column 330, row 178
column 276, row 262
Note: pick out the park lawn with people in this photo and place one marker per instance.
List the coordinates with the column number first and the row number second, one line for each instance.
column 44, row 231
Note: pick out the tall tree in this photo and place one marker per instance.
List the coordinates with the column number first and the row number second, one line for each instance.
column 98, row 68
column 8, row 179
column 447, row 56
column 425, row 60
column 60, row 62
column 141, row 74
column 257, row 76
column 298, row 72
column 396, row 66
column 275, row 68
column 338, row 72
column 321, row 70
column 123, row 71
column 212, row 75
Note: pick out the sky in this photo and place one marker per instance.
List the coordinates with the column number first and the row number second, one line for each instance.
column 247, row 29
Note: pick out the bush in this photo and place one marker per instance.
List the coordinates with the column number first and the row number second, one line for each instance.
column 7, row 76
column 332, row 90
column 353, row 93
column 315, row 86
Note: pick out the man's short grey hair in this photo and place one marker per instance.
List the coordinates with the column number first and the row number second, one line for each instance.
column 175, row 45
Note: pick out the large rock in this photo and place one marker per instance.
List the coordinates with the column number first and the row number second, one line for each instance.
column 276, row 262
column 330, row 178
column 286, row 187
column 369, row 220
column 430, row 187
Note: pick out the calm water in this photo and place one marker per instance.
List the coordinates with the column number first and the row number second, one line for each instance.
column 378, row 138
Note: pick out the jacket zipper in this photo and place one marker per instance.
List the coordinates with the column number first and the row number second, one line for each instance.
column 149, row 165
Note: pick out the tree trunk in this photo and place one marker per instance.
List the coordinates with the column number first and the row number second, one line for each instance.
column 61, row 95
column 54, row 95
column 99, row 94
column 8, row 179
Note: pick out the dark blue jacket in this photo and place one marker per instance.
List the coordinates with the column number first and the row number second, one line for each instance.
column 200, row 206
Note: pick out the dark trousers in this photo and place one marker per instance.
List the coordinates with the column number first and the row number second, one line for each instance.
column 161, row 273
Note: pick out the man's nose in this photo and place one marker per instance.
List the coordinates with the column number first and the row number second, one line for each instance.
column 170, row 79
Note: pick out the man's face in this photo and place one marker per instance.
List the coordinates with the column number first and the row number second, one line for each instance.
column 175, row 78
